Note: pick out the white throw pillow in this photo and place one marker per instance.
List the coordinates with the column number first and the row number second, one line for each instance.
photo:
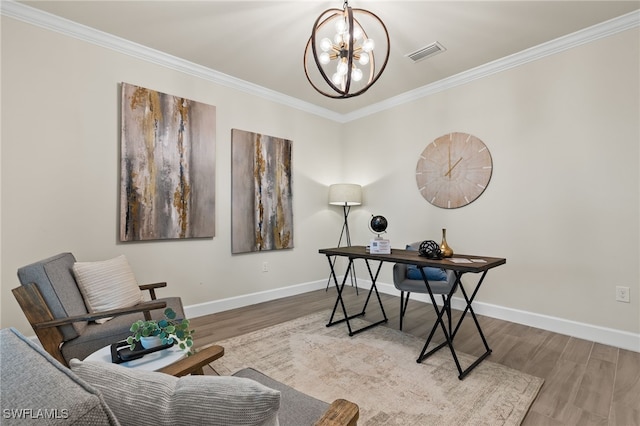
column 107, row 284
column 147, row 398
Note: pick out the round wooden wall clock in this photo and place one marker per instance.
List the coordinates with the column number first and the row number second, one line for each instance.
column 454, row 170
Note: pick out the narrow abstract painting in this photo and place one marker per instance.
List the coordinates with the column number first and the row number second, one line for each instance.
column 167, row 169
column 261, row 197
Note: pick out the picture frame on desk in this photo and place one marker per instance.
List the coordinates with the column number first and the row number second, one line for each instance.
column 380, row 246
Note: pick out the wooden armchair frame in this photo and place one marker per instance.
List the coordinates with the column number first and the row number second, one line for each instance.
column 46, row 326
column 340, row 412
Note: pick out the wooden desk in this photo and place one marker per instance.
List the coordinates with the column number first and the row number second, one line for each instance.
column 476, row 264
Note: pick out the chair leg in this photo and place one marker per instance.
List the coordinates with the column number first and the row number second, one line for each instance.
column 403, row 306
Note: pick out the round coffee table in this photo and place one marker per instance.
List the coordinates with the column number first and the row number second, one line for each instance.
column 166, row 360
column 150, row 362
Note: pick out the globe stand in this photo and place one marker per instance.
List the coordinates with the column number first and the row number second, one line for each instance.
column 345, row 233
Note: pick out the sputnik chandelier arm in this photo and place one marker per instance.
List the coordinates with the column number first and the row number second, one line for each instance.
column 347, row 54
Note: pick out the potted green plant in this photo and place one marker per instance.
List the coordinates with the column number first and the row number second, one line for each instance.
column 164, row 331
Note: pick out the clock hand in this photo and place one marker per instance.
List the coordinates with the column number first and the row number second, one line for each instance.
column 452, row 167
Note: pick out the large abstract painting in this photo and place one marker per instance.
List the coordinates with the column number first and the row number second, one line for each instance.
column 167, row 187
column 261, row 197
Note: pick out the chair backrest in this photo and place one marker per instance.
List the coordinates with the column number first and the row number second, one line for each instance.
column 414, row 246
column 59, row 289
column 400, row 275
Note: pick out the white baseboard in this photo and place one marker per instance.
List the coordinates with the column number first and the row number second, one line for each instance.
column 594, row 333
column 222, row 305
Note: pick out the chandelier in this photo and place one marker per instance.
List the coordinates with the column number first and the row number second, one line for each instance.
column 344, row 52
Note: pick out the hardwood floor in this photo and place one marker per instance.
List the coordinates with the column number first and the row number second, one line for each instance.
column 586, row 383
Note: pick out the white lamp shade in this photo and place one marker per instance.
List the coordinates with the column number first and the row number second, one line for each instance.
column 345, row 194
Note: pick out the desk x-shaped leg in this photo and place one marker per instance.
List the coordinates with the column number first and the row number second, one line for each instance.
column 340, row 301
column 448, row 334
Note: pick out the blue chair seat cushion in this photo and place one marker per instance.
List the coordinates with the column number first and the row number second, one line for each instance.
column 433, row 274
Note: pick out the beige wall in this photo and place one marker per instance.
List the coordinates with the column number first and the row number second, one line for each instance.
column 562, row 206
column 60, row 139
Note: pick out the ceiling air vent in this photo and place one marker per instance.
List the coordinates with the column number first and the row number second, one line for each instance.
column 425, row 52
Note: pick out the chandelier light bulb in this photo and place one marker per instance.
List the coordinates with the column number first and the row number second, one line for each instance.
column 336, row 79
column 341, row 25
column 338, row 39
column 324, row 58
column 368, row 45
column 357, row 33
column 342, row 68
column 325, row 44
column 364, row 58
column 356, row 74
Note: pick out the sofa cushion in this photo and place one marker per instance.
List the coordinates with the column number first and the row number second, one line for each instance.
column 155, row 399
column 107, row 284
column 37, row 389
column 58, row 287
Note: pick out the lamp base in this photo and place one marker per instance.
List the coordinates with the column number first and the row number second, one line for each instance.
column 380, row 246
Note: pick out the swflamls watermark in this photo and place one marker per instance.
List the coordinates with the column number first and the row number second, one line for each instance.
column 35, row 413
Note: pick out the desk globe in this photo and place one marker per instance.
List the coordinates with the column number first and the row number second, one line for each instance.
column 378, row 224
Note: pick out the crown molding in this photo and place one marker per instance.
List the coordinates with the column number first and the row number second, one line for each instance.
column 587, row 35
column 72, row 29
column 64, row 26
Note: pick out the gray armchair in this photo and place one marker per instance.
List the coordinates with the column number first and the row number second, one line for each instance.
column 53, row 303
column 402, row 282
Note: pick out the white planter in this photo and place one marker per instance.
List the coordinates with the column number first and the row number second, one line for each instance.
column 150, row 342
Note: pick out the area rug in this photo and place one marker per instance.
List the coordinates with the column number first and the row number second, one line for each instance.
column 377, row 370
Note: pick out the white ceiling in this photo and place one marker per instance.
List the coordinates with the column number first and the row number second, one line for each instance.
column 262, row 42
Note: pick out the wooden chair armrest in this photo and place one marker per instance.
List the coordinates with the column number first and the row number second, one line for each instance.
column 193, row 364
column 141, row 307
column 152, row 288
column 340, row 413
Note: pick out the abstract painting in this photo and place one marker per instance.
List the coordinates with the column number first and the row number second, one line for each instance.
column 167, row 168
column 261, row 197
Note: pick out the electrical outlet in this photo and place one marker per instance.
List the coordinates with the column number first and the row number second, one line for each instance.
column 622, row 294
column 265, row 267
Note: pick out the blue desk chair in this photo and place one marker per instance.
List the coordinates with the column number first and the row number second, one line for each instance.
column 408, row 278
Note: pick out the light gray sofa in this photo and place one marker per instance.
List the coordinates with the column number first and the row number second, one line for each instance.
column 36, row 388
